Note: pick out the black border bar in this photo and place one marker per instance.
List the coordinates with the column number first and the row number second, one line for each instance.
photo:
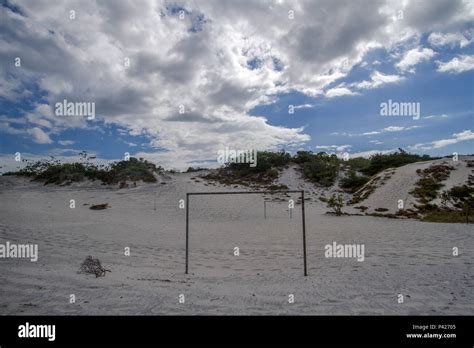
column 291, row 330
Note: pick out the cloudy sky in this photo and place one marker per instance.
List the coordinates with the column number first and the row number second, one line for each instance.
column 177, row 81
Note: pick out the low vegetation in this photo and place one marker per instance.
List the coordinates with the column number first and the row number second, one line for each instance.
column 321, row 168
column 426, row 189
column 457, row 203
column 364, row 192
column 133, row 170
column 195, row 169
column 358, row 164
column 457, row 206
column 54, row 172
column 380, row 162
column 357, row 176
column 264, row 173
column 353, row 182
column 336, row 202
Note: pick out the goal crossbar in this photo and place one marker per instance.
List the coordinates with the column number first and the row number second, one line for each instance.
column 247, row 193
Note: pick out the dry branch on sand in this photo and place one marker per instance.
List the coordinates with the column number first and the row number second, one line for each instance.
column 93, row 266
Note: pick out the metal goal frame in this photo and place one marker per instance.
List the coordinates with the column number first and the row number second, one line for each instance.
column 303, row 219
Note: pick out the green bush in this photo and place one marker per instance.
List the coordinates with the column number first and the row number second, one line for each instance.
column 321, row 171
column 462, row 198
column 358, row 164
column 303, row 157
column 33, row 169
column 194, row 170
column 266, row 160
column 264, row 173
column 353, row 182
column 320, row 168
column 380, row 162
column 336, row 203
column 54, row 172
column 133, row 170
column 60, row 173
column 426, row 189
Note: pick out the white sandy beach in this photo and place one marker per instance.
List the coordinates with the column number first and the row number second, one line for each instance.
column 401, row 256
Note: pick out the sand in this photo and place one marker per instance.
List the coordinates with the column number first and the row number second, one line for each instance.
column 399, row 184
column 405, row 257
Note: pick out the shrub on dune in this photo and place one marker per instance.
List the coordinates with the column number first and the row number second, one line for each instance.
column 336, row 202
column 380, row 162
column 54, row 172
column 353, row 182
column 321, row 171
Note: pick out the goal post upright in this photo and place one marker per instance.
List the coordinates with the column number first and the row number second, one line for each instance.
column 304, row 233
column 241, row 193
column 187, row 232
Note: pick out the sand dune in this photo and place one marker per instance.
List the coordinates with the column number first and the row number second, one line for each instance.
column 401, row 256
column 396, row 183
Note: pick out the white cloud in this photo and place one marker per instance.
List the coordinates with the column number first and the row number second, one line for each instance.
column 437, row 144
column 389, row 129
column 399, row 129
column 66, row 142
column 457, row 137
column 339, row 91
column 393, row 129
column 338, row 148
column 368, row 133
column 39, row 136
column 8, row 129
column 36, row 134
column 368, row 153
column 436, row 116
column 414, row 57
column 457, row 65
column 439, row 39
column 378, row 79
column 304, row 106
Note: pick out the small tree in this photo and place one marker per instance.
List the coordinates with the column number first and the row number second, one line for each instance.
column 336, row 203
